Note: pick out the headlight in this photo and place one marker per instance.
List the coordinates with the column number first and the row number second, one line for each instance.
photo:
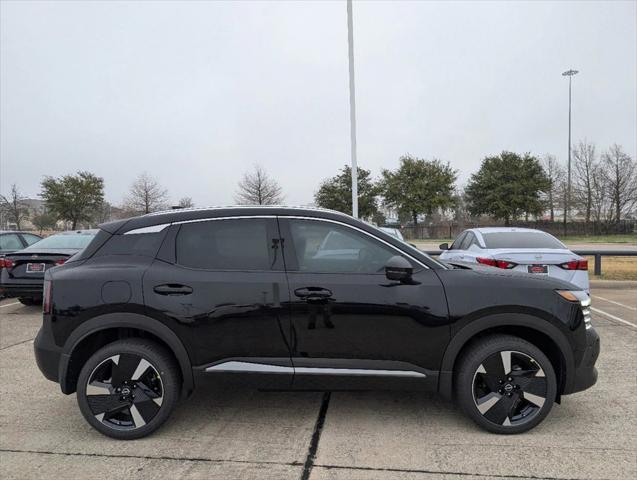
column 583, row 299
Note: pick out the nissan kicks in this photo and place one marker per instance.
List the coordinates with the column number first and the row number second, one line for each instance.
column 301, row 299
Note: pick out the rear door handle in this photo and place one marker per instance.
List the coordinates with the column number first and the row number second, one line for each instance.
column 173, row 289
column 313, row 293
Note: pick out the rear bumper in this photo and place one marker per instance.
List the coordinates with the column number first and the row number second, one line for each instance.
column 22, row 289
column 47, row 355
column 585, row 375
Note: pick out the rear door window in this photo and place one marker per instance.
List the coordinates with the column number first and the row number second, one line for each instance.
column 456, row 243
column 229, row 244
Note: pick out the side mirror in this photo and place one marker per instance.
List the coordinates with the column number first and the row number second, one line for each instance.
column 398, row 269
column 443, row 246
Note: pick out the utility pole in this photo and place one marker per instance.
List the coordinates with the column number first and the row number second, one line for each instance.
column 352, row 109
column 567, row 203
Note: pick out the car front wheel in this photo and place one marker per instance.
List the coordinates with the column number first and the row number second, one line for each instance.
column 505, row 384
column 128, row 388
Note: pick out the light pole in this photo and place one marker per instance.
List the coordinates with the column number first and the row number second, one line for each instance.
column 352, row 109
column 567, row 203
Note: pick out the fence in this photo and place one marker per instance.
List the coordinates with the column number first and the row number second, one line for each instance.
column 453, row 229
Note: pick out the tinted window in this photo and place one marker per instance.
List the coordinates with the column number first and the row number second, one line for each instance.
column 456, row 244
column 240, row 244
column 145, row 244
column 326, row 247
column 10, row 241
column 30, row 238
column 64, row 240
column 521, row 240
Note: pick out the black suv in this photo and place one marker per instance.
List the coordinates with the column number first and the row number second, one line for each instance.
column 301, row 299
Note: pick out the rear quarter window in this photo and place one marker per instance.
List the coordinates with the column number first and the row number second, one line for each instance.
column 145, row 244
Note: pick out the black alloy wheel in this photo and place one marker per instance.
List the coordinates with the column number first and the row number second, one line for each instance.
column 506, row 384
column 128, row 388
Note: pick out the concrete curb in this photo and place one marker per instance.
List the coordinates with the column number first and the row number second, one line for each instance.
column 615, row 284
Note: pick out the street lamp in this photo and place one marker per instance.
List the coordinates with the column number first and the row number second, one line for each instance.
column 352, row 109
column 569, row 74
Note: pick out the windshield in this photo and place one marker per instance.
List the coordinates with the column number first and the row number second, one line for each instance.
column 66, row 240
column 521, row 240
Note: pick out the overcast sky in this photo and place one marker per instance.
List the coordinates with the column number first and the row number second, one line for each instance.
column 197, row 92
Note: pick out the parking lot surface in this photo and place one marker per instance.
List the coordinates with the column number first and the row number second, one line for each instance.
column 371, row 435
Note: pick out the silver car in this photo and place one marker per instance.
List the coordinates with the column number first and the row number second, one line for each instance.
column 520, row 249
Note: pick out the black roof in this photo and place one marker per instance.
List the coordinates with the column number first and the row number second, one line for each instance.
column 186, row 214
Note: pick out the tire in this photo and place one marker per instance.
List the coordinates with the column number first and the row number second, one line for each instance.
column 30, row 300
column 128, row 388
column 505, row 384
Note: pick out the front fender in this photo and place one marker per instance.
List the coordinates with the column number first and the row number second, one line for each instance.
column 493, row 321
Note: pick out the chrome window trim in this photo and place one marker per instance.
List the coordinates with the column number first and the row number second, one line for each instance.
column 150, row 229
column 233, row 366
column 231, row 217
column 297, row 217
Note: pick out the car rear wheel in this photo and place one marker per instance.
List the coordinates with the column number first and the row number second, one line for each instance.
column 505, row 384
column 128, row 388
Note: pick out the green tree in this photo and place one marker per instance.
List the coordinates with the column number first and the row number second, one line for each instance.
column 419, row 186
column 507, row 186
column 73, row 198
column 44, row 221
column 335, row 193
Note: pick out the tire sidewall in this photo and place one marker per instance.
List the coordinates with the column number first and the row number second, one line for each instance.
column 473, row 359
column 158, row 358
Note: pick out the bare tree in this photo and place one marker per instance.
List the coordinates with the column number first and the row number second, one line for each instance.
column 258, row 188
column 186, row 202
column 146, row 195
column 555, row 173
column 600, row 202
column 621, row 174
column 13, row 207
column 584, row 163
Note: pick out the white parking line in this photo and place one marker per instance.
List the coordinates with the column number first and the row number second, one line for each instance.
column 616, row 303
column 9, row 304
column 613, row 317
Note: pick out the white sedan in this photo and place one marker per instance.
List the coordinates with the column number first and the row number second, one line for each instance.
column 519, row 249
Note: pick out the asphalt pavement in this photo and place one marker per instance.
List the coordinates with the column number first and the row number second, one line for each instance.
column 372, row 435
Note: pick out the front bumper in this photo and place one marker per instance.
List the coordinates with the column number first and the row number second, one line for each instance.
column 585, row 375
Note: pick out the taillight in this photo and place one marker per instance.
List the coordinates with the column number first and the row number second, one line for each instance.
column 492, row 262
column 46, row 301
column 575, row 265
column 6, row 263
column 60, row 261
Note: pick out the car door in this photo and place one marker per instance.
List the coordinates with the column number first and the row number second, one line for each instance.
column 351, row 327
column 223, row 281
column 465, row 253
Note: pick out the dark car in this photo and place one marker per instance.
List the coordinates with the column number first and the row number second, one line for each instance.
column 23, row 272
column 158, row 304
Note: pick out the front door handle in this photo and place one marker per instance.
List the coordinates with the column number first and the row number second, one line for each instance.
column 173, row 289
column 313, row 293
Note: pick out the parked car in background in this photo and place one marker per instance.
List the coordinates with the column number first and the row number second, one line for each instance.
column 519, row 249
column 23, row 272
column 394, row 232
column 12, row 241
column 303, row 299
